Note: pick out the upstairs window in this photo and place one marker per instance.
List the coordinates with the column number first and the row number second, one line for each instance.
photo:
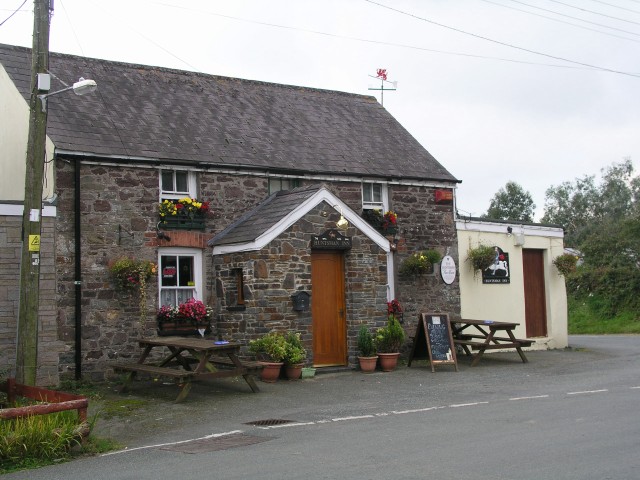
column 278, row 184
column 175, row 184
column 374, row 196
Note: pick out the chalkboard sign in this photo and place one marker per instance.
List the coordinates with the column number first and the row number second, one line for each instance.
column 433, row 338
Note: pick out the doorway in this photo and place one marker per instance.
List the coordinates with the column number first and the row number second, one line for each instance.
column 328, row 309
column 535, row 302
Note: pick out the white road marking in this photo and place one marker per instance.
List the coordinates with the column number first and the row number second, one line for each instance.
column 206, row 437
column 467, row 404
column 529, row 398
column 587, row 391
column 417, row 410
column 360, row 417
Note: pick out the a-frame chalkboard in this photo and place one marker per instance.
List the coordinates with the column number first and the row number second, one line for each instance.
column 433, row 337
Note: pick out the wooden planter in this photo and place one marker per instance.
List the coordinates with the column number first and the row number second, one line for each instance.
column 55, row 402
column 182, row 327
column 183, row 222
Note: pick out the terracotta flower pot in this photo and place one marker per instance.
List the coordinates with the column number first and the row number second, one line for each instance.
column 368, row 364
column 270, row 371
column 293, row 372
column 388, row 361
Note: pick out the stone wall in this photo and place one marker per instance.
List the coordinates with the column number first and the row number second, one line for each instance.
column 49, row 347
column 119, row 218
column 273, row 274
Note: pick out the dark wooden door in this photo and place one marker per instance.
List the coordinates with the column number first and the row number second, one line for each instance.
column 328, row 309
column 535, row 302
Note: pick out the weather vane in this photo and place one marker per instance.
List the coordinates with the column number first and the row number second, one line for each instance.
column 381, row 74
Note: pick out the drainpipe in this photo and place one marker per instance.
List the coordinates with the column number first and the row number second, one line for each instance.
column 78, row 273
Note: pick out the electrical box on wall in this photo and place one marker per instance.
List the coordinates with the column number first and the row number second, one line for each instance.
column 44, row 82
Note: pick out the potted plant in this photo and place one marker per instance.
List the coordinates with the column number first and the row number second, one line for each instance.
column 419, row 263
column 481, row 257
column 295, row 355
column 389, row 340
column 367, row 349
column 270, row 350
column 566, row 263
column 189, row 318
column 386, row 222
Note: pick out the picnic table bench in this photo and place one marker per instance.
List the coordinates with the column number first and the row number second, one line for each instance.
column 483, row 337
column 189, row 360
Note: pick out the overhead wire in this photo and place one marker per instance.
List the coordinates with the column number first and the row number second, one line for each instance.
column 375, row 42
column 561, row 21
column 594, row 12
column 13, row 13
column 498, row 42
column 576, row 18
column 616, row 6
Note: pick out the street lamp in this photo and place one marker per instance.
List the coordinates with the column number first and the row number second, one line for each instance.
column 81, row 87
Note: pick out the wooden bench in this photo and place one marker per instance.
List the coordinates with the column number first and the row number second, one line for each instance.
column 180, row 376
column 467, row 339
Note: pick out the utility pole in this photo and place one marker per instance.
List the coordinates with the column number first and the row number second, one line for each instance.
column 27, row 341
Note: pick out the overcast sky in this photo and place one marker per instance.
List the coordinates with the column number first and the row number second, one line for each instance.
column 534, row 91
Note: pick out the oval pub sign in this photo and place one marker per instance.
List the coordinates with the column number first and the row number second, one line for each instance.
column 448, row 269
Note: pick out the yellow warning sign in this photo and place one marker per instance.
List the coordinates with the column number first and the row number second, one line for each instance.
column 34, row 243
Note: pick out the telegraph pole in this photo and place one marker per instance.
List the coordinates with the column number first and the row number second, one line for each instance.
column 27, row 338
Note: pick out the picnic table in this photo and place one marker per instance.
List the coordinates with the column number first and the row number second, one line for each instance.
column 190, row 359
column 481, row 335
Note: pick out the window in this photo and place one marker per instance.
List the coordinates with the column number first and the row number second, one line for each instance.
column 374, row 196
column 180, row 275
column 278, row 184
column 175, row 184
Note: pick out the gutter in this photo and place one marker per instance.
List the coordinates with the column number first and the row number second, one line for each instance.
column 78, row 273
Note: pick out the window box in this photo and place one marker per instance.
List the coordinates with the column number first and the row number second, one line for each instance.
column 183, row 222
column 381, row 222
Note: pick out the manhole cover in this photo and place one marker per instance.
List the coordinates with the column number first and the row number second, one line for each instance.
column 268, row 423
column 217, row 443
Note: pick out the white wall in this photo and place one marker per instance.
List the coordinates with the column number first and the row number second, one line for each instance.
column 505, row 302
column 14, row 130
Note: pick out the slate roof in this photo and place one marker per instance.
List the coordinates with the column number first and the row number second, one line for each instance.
column 263, row 216
column 159, row 114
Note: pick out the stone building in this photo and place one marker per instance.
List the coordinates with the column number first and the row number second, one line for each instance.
column 289, row 174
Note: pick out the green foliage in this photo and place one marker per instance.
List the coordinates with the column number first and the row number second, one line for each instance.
column 272, row 347
column 566, row 264
column 511, row 203
column 583, row 207
column 481, row 257
column 35, row 439
column 586, row 316
column 419, row 263
column 366, row 344
column 389, row 339
column 295, row 352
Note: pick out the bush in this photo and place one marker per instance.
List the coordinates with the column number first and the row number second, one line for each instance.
column 389, row 339
column 272, row 347
column 366, row 344
column 295, row 352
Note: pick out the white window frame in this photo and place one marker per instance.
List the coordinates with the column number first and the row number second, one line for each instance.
column 384, row 194
column 174, row 194
column 197, row 270
column 291, row 184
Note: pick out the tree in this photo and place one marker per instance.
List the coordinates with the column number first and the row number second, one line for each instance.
column 582, row 207
column 511, row 203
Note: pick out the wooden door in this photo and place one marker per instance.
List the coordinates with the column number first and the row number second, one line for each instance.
column 535, row 303
column 328, row 309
